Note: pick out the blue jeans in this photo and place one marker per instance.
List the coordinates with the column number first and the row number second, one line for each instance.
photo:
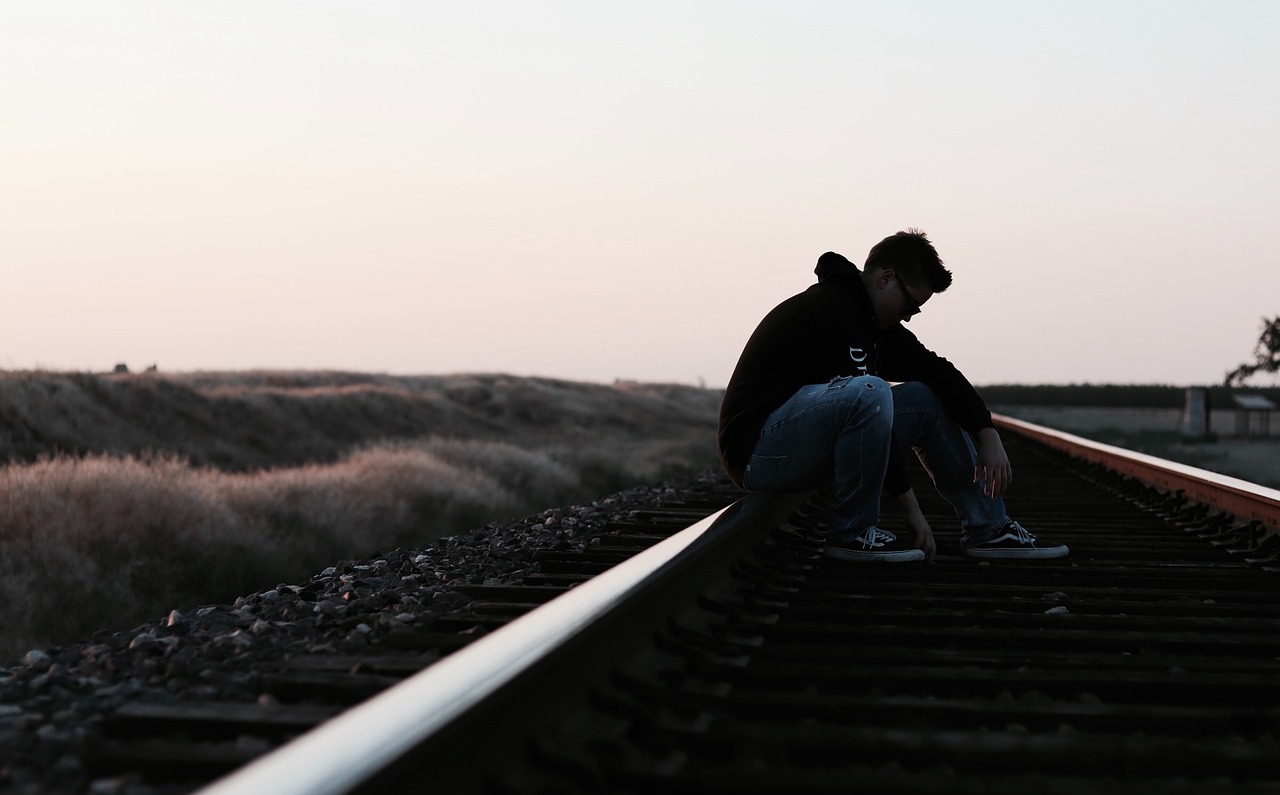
column 840, row 432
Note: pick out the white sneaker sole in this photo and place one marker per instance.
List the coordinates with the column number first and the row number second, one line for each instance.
column 872, row 556
column 1018, row 554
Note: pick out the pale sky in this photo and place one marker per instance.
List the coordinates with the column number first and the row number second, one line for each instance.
column 598, row 190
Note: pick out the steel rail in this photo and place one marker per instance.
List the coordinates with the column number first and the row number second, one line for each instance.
column 1248, row 502
column 350, row 750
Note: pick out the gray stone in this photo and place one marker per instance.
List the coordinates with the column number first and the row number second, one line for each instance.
column 143, row 641
column 37, row 660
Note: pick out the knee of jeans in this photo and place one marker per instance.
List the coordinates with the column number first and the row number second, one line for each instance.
column 916, row 393
column 871, row 383
column 877, row 389
column 871, row 396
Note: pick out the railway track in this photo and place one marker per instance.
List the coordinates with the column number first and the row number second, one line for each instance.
column 730, row 656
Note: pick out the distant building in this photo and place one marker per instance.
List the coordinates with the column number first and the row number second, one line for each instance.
column 121, row 368
column 1253, row 416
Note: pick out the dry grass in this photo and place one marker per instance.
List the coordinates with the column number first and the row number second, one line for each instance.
column 148, row 493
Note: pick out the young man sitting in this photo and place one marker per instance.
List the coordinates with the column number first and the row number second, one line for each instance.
column 810, row 405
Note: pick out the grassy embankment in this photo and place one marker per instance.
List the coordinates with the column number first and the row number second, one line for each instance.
column 124, row 496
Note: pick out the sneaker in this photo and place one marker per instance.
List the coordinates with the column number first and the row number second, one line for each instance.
column 1015, row 542
column 873, row 545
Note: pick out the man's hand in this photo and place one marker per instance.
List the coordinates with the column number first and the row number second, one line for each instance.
column 917, row 525
column 993, row 472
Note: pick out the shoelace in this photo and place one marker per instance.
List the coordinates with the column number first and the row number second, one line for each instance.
column 875, row 537
column 1024, row 535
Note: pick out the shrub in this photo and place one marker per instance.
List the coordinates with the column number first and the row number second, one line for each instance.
column 93, row 542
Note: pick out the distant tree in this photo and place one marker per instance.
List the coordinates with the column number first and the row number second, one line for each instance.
column 1266, row 354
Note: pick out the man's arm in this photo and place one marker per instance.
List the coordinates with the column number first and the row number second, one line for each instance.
column 916, row 524
column 993, row 472
column 907, row 359
column 915, row 362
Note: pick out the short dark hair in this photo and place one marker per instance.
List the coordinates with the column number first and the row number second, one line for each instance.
column 910, row 254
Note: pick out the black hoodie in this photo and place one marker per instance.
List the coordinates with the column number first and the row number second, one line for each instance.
column 826, row 332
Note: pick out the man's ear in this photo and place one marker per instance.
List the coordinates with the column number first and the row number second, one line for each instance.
column 886, row 276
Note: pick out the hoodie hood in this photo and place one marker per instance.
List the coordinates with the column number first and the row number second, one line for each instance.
column 834, row 267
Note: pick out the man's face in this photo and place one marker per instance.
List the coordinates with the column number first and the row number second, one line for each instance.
column 898, row 301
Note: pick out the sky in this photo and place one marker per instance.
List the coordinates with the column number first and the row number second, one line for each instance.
column 621, row 190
